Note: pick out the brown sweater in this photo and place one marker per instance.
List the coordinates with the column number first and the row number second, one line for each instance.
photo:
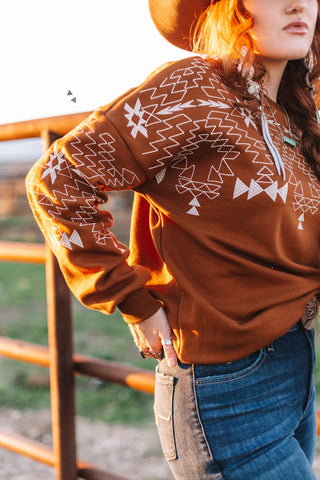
column 228, row 246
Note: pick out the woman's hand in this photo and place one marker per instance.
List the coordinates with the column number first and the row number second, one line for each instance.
column 149, row 334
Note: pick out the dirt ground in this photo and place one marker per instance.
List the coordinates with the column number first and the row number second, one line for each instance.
column 128, row 451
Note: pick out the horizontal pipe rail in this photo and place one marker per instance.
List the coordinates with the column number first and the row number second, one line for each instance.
column 44, row 454
column 30, row 448
column 60, row 125
column 24, row 351
column 133, row 377
column 22, row 252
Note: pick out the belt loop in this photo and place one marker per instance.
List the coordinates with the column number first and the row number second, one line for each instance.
column 311, row 312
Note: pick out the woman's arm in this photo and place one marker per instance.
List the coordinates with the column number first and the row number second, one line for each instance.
column 67, row 190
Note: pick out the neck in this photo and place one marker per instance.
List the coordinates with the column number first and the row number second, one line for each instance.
column 273, row 77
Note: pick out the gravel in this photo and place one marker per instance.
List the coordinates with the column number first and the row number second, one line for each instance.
column 129, row 451
column 133, row 452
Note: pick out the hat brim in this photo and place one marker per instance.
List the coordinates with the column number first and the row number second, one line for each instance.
column 176, row 19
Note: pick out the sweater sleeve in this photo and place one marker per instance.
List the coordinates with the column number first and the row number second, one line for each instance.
column 67, row 190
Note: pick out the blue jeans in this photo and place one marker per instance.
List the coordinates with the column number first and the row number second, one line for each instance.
column 251, row 419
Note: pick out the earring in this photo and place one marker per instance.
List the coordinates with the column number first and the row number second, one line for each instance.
column 310, row 86
column 307, row 76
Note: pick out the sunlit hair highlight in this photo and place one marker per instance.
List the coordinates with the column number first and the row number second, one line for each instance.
column 220, row 27
column 223, row 32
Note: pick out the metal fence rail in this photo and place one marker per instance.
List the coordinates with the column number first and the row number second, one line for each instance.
column 59, row 357
column 133, row 377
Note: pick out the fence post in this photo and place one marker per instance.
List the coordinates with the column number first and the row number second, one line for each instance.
column 61, row 364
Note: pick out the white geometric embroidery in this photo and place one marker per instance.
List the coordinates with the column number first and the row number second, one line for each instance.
column 103, row 236
column 196, row 189
column 136, row 112
column 306, row 204
column 272, row 191
column 176, row 126
column 74, row 238
column 240, row 188
column 248, row 117
column 314, row 190
column 300, row 220
column 212, row 128
column 160, row 176
column 283, row 192
column 54, row 164
column 265, row 175
column 303, row 203
column 176, row 108
column 193, row 210
column 99, row 155
column 216, row 174
column 255, row 189
column 54, row 242
column 212, row 103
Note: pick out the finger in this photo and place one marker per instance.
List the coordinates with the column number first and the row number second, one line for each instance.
column 138, row 340
column 169, row 351
column 170, row 355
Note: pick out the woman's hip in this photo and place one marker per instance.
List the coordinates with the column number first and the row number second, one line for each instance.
column 226, row 417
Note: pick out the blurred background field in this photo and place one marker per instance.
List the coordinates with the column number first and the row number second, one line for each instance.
column 23, row 316
column 113, row 421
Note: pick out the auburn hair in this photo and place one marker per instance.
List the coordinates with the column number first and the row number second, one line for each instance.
column 223, row 32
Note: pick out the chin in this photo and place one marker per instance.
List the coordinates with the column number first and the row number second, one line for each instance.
column 298, row 53
column 291, row 55
column 298, row 56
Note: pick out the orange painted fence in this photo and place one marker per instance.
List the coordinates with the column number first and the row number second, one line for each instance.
column 59, row 357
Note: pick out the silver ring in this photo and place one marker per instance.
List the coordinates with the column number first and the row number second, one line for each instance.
column 167, row 342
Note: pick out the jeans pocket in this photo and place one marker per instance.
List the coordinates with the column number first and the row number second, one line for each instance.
column 163, row 411
column 227, row 372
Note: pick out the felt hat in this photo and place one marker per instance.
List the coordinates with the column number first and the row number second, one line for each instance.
column 176, row 19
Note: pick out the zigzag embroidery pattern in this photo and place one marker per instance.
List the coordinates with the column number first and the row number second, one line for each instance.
column 304, row 202
column 96, row 157
column 74, row 193
column 219, row 131
column 166, row 109
column 212, row 124
column 95, row 160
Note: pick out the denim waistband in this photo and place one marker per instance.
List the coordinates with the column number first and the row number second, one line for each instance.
column 296, row 326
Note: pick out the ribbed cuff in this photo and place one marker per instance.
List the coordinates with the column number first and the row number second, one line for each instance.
column 138, row 306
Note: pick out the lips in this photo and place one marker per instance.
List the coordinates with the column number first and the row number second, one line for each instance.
column 298, row 27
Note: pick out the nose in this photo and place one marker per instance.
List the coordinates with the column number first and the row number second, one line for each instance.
column 295, row 8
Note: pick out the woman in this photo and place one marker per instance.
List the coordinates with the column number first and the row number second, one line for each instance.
column 223, row 155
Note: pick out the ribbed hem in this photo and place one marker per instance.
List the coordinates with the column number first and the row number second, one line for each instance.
column 139, row 306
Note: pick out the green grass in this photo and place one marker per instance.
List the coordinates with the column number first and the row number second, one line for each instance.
column 23, row 316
